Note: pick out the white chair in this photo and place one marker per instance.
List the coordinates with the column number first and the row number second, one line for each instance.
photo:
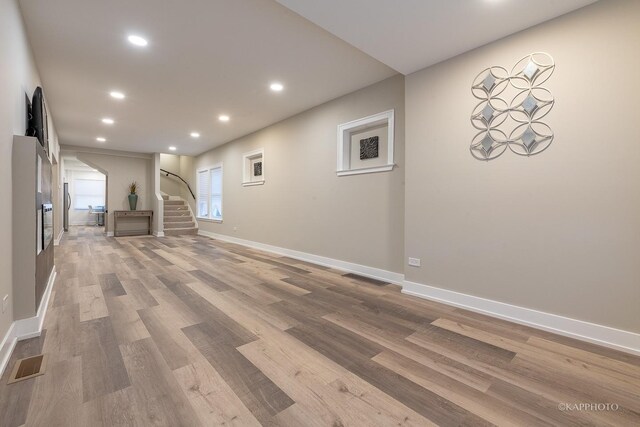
column 91, row 211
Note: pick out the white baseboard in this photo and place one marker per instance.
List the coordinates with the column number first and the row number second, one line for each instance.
column 30, row 327
column 56, row 242
column 626, row 341
column 363, row 270
column 598, row 334
column 158, row 233
column 6, row 347
column 109, row 233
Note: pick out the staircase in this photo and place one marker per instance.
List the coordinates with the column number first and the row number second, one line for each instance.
column 177, row 218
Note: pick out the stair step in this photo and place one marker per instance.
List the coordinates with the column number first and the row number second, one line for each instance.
column 186, row 224
column 180, row 231
column 173, row 202
column 177, row 218
column 177, row 212
column 176, row 208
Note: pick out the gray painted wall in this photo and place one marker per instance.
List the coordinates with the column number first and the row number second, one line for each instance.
column 303, row 205
column 19, row 75
column 170, row 184
column 559, row 232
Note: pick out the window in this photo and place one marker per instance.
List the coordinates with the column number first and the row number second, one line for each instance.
column 203, row 194
column 88, row 192
column 216, row 193
column 210, row 193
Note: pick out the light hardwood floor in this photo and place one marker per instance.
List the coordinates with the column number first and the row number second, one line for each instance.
column 192, row 331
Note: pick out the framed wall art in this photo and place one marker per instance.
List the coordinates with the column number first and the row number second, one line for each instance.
column 253, row 167
column 366, row 145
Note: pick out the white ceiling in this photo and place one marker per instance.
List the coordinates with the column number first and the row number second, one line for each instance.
column 212, row 57
column 409, row 35
column 204, row 58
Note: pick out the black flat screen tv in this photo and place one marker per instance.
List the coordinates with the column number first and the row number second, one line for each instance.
column 37, row 113
column 29, row 116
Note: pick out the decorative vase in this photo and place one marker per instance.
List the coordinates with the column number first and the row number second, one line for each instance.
column 133, row 201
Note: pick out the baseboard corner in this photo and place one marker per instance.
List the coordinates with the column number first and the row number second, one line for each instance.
column 32, row 326
column 57, row 240
column 6, row 347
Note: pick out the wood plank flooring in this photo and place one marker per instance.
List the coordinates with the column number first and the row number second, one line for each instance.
column 188, row 331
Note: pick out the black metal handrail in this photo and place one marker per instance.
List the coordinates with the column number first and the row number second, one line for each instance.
column 180, row 178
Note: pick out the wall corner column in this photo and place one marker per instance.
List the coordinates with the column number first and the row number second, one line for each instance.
column 158, row 201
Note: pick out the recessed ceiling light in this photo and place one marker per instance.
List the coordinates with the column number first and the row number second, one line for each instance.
column 117, row 95
column 223, row 118
column 137, row 40
column 276, row 87
column 107, row 121
column 172, row 148
column 195, row 135
column 101, row 139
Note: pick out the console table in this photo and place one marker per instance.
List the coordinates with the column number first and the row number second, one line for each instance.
column 119, row 216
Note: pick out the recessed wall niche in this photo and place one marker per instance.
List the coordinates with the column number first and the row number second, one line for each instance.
column 366, row 145
column 253, row 167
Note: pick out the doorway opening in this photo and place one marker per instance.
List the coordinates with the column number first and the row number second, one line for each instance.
column 84, row 195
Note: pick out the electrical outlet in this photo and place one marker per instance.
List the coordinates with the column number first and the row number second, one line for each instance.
column 5, row 303
column 414, row 262
column 235, row 228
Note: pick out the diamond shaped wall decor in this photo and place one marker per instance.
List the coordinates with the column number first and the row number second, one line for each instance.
column 529, row 137
column 487, row 143
column 530, row 104
column 524, row 133
column 489, row 82
column 487, row 112
column 530, row 70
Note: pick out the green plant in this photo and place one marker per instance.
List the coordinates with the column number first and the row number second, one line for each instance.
column 133, row 187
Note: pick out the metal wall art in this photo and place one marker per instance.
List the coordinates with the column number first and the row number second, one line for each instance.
column 257, row 169
column 511, row 108
column 369, row 148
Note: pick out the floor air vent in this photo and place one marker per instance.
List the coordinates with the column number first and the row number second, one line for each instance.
column 28, row 368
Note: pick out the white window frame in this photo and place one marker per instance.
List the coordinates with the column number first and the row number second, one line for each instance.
column 208, row 196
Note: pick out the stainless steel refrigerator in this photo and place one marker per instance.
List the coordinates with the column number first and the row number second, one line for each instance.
column 67, row 206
